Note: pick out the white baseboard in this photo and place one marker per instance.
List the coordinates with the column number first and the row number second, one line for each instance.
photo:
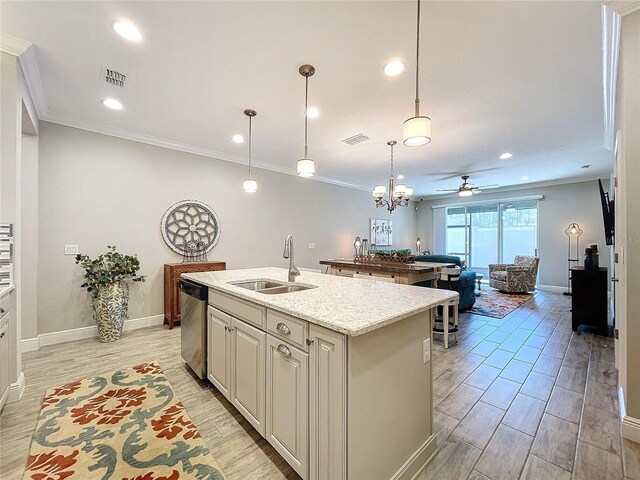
column 630, row 425
column 417, row 462
column 29, row 344
column 16, row 389
column 53, row 338
column 551, row 288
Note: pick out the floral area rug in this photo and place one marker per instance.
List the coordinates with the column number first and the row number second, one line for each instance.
column 127, row 425
column 493, row 303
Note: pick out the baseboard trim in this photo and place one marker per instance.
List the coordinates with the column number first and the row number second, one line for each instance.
column 16, row 389
column 630, row 425
column 551, row 288
column 417, row 462
column 29, row 344
column 53, row 338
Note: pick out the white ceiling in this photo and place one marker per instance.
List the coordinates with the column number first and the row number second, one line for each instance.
column 519, row 77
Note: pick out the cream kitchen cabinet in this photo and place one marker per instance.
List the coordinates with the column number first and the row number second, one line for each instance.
column 236, row 364
column 306, row 369
column 288, row 402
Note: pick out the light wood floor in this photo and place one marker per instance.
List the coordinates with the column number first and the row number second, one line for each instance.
column 521, row 397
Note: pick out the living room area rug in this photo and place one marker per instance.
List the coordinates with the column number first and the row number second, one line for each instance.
column 496, row 304
column 126, row 425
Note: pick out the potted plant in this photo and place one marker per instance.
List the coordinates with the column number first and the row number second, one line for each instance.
column 107, row 279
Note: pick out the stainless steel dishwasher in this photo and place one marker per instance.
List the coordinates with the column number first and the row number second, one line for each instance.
column 193, row 326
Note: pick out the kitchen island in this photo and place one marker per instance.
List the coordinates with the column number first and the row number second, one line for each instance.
column 334, row 372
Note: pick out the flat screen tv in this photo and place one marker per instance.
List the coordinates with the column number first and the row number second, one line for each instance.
column 607, row 215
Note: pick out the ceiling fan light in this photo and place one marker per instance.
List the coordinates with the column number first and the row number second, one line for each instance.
column 250, row 186
column 417, row 131
column 306, row 167
column 408, row 192
column 465, row 193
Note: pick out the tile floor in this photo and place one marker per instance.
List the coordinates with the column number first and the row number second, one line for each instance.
column 525, row 397
column 521, row 397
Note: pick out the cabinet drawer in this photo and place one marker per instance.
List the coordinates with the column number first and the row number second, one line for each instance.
column 247, row 311
column 5, row 305
column 288, row 328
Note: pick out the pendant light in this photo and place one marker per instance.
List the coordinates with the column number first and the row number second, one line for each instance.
column 250, row 185
column 417, row 129
column 398, row 195
column 306, row 166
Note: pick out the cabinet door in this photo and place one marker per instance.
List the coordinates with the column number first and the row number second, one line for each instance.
column 327, row 405
column 4, row 363
column 287, row 403
column 247, row 372
column 219, row 352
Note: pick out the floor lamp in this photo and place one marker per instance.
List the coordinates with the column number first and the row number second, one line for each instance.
column 572, row 231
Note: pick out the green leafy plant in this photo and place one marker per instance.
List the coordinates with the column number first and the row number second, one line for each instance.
column 109, row 268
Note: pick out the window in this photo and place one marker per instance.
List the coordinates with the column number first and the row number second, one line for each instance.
column 492, row 232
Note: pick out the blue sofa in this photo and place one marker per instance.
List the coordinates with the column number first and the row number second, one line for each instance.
column 466, row 286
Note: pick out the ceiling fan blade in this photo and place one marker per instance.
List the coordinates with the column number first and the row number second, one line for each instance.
column 447, row 190
column 489, row 186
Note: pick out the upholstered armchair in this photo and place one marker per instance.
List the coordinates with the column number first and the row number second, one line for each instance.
column 520, row 276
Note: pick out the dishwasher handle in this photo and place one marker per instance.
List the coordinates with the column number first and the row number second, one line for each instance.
column 194, row 289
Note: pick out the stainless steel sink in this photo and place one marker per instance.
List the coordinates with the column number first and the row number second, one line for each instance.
column 258, row 284
column 285, row 289
column 271, row 287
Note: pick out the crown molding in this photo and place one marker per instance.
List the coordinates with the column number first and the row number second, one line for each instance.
column 513, row 188
column 622, row 8
column 13, row 45
column 70, row 121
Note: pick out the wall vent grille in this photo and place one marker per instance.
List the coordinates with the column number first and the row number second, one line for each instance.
column 113, row 77
column 356, row 139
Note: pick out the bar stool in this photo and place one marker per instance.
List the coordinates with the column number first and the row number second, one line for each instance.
column 450, row 275
column 448, row 327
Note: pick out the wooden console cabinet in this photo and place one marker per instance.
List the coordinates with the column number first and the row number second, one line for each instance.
column 172, row 272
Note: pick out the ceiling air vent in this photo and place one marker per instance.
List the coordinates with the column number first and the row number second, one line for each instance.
column 356, row 139
column 113, row 77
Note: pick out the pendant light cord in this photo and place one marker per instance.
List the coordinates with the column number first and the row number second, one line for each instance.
column 249, row 148
column 306, row 108
column 417, row 60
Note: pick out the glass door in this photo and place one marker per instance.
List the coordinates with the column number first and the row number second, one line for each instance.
column 519, row 230
column 457, row 233
column 483, row 237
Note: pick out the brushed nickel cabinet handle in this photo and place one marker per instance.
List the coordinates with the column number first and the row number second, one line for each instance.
column 309, row 341
column 283, row 349
column 2, row 334
column 2, row 310
column 282, row 328
column 614, row 279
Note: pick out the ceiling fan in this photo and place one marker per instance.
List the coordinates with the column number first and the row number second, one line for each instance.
column 467, row 189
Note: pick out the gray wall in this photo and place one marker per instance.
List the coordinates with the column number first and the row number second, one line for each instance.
column 562, row 204
column 97, row 190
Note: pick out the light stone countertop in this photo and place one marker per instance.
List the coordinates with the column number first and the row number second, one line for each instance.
column 347, row 305
column 5, row 289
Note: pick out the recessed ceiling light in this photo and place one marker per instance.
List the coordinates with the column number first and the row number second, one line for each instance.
column 525, row 178
column 396, row 67
column 313, row 112
column 112, row 103
column 400, row 177
column 127, row 30
column 506, row 156
column 238, row 139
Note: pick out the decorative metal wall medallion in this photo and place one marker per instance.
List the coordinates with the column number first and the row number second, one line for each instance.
column 190, row 228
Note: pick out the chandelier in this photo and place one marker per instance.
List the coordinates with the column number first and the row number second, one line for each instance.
column 398, row 195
